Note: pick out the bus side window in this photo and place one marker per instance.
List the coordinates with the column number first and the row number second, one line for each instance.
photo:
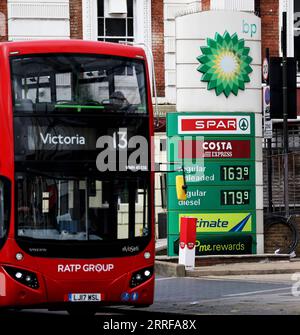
column 24, row 105
column 2, row 228
column 4, row 207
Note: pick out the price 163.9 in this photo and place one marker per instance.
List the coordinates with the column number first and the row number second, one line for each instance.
column 235, row 173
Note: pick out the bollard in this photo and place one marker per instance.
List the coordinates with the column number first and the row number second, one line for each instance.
column 187, row 242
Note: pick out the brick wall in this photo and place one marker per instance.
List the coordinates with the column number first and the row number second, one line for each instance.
column 205, row 4
column 157, row 7
column 277, row 237
column 280, row 236
column 269, row 13
column 76, row 19
column 3, row 30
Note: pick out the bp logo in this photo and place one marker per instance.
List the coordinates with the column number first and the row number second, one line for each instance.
column 225, row 64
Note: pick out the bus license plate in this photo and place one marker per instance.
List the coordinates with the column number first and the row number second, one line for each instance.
column 84, row 297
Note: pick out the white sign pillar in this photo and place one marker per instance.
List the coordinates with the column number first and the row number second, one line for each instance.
column 213, row 78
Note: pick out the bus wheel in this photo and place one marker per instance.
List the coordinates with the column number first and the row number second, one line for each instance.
column 86, row 312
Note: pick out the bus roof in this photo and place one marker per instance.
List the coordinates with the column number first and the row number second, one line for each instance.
column 71, row 46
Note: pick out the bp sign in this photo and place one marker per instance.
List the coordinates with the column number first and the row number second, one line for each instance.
column 225, row 64
column 216, row 134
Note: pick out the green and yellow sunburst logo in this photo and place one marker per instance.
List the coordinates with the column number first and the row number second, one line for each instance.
column 225, row 64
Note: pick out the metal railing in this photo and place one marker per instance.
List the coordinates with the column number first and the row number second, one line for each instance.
column 276, row 159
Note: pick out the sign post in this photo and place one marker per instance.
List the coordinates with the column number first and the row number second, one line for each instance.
column 265, row 69
column 285, row 115
column 268, row 127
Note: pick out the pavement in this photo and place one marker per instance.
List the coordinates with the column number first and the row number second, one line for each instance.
column 160, row 244
column 228, row 265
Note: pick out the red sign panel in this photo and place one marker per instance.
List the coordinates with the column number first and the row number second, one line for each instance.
column 188, row 232
column 191, row 149
column 212, row 124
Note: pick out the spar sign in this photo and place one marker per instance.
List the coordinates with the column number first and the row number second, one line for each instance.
column 213, row 125
column 210, row 124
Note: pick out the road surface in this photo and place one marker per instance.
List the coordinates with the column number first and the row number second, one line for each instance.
column 180, row 298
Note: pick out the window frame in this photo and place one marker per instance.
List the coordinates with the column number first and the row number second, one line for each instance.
column 288, row 7
column 296, row 28
column 116, row 38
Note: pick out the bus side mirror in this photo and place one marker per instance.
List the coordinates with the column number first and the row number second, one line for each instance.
column 181, row 188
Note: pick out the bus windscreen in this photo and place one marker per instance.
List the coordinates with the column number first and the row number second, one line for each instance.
column 71, row 83
column 81, row 209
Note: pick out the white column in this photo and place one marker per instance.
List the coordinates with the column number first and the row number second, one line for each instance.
column 143, row 22
column 171, row 10
column 89, row 19
column 290, row 28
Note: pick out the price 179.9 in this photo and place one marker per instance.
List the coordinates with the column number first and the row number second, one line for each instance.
column 235, row 197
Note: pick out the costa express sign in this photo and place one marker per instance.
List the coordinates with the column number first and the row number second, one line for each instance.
column 190, row 149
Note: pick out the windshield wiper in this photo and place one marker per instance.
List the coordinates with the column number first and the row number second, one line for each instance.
column 78, row 107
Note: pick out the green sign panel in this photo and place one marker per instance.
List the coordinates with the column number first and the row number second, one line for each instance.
column 215, row 222
column 226, row 244
column 217, row 153
column 213, row 198
column 214, row 173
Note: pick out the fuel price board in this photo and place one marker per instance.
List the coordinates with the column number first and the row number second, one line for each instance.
column 216, row 151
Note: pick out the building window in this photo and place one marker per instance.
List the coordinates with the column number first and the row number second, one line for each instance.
column 115, row 25
column 297, row 32
column 163, row 144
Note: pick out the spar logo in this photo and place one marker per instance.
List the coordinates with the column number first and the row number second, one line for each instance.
column 205, row 124
column 243, row 124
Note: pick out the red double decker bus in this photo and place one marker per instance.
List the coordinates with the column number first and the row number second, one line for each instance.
column 76, row 201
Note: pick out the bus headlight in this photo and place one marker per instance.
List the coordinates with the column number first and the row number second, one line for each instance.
column 24, row 277
column 19, row 256
column 147, row 255
column 141, row 276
